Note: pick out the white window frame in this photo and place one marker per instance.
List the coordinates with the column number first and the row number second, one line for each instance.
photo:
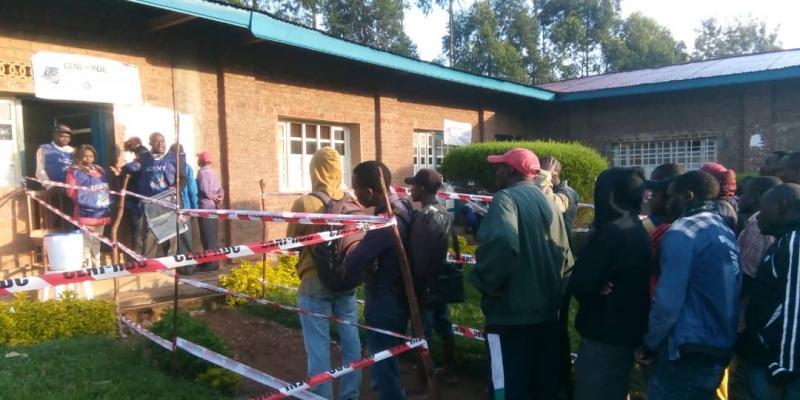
column 293, row 168
column 10, row 150
column 692, row 153
column 429, row 150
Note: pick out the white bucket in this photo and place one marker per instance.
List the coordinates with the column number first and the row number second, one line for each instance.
column 64, row 250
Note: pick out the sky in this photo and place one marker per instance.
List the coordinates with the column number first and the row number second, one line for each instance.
column 682, row 17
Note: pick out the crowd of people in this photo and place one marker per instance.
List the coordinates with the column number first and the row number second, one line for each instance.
column 702, row 292
column 154, row 172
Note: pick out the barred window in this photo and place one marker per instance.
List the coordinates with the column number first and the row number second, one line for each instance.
column 429, row 150
column 691, row 153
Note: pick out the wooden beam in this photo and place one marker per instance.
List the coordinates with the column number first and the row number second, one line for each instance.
column 167, row 21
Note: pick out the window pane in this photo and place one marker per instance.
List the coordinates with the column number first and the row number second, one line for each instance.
column 297, row 130
column 340, row 148
column 311, row 146
column 311, row 132
column 297, row 147
column 325, row 132
column 338, row 134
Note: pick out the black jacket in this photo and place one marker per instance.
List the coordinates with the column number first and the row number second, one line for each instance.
column 618, row 252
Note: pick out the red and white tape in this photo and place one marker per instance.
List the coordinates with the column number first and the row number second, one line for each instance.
column 286, row 216
column 297, row 310
column 404, row 191
column 177, row 261
column 114, row 192
column 218, row 359
column 468, row 332
column 326, row 376
column 85, row 229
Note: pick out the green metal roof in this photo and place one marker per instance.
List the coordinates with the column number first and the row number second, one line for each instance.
column 272, row 29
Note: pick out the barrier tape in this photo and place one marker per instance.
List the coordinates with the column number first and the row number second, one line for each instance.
column 162, row 203
column 218, row 359
column 149, row 335
column 468, row 332
column 84, row 229
column 280, row 306
column 285, row 216
column 326, row 376
column 181, row 260
column 464, row 259
column 460, row 330
column 404, row 191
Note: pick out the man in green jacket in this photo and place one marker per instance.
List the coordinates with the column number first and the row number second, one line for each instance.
column 523, row 254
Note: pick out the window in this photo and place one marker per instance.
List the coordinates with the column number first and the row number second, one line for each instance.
column 691, row 153
column 9, row 160
column 508, row 138
column 429, row 150
column 297, row 143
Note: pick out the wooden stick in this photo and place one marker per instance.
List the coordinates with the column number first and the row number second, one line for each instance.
column 413, row 304
column 114, row 229
column 264, row 236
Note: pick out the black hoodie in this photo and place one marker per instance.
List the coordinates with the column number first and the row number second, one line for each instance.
column 617, row 250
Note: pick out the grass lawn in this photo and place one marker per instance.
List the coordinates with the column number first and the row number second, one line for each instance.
column 89, row 368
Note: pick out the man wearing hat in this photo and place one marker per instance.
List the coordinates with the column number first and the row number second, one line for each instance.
column 210, row 195
column 428, row 250
column 523, row 254
column 53, row 159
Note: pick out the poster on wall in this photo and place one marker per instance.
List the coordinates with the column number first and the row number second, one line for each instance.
column 457, row 133
column 62, row 76
column 141, row 121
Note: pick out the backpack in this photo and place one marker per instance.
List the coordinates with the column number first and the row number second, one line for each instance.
column 329, row 257
column 427, row 245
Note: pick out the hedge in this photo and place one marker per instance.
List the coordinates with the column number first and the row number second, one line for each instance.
column 465, row 166
column 23, row 321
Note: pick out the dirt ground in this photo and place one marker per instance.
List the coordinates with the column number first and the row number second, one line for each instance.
column 277, row 350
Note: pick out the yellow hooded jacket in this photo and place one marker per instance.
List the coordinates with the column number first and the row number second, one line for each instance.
column 326, row 176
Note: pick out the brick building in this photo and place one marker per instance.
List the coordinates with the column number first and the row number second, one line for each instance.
column 262, row 95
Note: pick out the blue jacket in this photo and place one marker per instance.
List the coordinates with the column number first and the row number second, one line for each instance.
column 696, row 303
column 189, row 190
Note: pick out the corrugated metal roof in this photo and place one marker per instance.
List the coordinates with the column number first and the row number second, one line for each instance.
column 683, row 72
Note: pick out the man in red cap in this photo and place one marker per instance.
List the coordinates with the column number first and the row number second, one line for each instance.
column 523, row 254
column 210, row 195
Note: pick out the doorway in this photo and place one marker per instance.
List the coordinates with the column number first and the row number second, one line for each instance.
column 90, row 123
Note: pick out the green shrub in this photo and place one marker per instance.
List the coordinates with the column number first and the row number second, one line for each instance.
column 581, row 164
column 246, row 277
column 23, row 321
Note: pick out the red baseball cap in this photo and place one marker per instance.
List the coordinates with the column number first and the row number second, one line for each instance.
column 204, row 157
column 522, row 160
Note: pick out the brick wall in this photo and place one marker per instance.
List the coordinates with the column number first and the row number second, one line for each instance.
column 731, row 114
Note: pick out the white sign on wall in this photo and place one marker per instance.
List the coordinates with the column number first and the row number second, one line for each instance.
column 457, row 133
column 61, row 76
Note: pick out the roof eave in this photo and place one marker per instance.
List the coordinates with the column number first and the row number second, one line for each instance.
column 689, row 84
column 271, row 29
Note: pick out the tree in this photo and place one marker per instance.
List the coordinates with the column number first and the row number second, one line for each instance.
column 377, row 23
column 743, row 36
column 640, row 42
column 577, row 29
column 427, row 6
column 480, row 48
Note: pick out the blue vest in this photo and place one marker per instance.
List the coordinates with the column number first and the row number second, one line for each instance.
column 156, row 175
column 56, row 162
column 92, row 204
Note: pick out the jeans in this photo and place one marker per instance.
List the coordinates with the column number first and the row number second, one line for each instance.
column 316, row 335
column 435, row 317
column 691, row 377
column 386, row 311
column 208, row 236
column 137, row 232
column 524, row 361
column 602, row 371
column 759, row 387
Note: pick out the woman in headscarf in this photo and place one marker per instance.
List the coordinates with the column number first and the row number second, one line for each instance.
column 610, row 280
column 726, row 200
